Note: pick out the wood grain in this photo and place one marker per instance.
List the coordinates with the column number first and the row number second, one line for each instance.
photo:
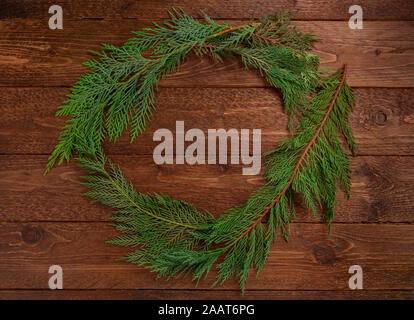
column 301, row 9
column 170, row 294
column 383, row 119
column 312, row 260
column 47, row 220
column 381, row 189
column 377, row 56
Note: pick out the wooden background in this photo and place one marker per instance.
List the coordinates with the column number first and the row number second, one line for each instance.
column 46, row 220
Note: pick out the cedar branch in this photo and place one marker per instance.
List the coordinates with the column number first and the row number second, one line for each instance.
column 234, row 28
column 305, row 151
column 268, row 39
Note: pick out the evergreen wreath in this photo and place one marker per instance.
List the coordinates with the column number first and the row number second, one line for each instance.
column 172, row 237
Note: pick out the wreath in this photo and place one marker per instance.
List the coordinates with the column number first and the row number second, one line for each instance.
column 172, row 237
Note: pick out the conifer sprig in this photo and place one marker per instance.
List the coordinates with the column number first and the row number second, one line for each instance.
column 306, row 151
column 184, row 241
column 310, row 164
column 172, row 237
column 119, row 91
column 153, row 221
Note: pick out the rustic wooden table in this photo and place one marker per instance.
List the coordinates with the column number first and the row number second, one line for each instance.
column 46, row 221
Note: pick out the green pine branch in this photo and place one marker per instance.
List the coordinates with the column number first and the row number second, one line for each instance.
column 118, row 93
column 310, row 164
column 152, row 221
column 172, row 237
column 183, row 241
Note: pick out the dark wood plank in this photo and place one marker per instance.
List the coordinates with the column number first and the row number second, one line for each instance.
column 301, row 9
column 154, row 294
column 383, row 120
column 48, row 221
column 381, row 189
column 377, row 55
column 312, row 260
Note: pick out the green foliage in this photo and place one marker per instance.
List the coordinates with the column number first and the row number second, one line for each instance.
column 277, row 27
column 172, row 238
column 295, row 76
column 310, row 164
column 119, row 91
column 152, row 221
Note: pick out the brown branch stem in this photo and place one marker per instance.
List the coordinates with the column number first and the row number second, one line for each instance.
column 268, row 39
column 234, row 28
